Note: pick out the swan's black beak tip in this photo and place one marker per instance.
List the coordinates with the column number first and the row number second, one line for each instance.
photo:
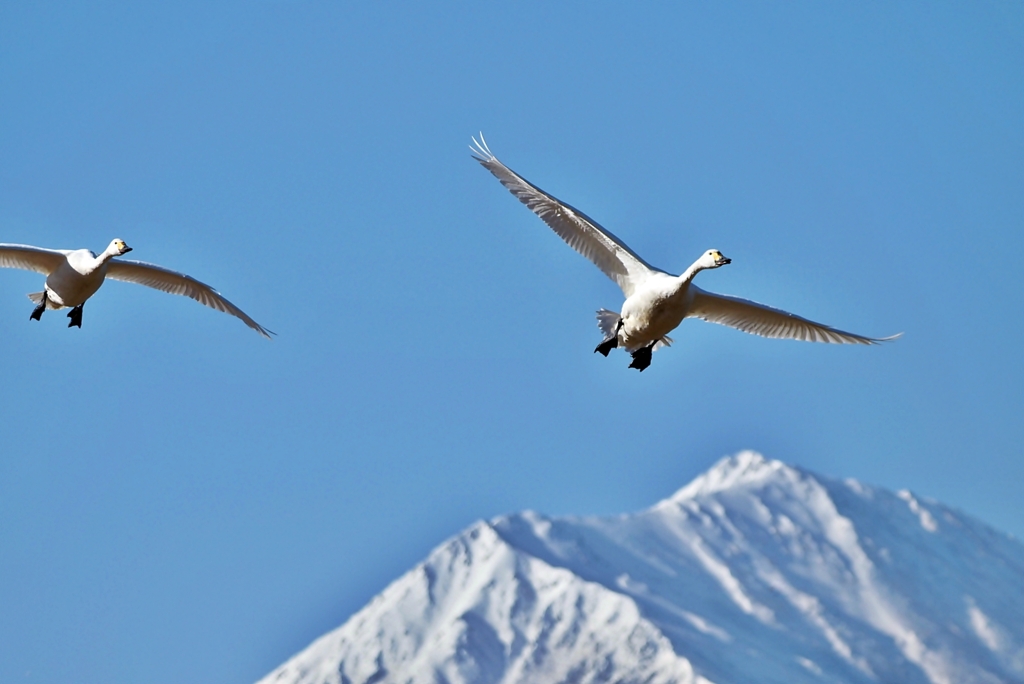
column 723, row 261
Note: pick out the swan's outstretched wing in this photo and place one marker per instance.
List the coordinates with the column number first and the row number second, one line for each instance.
column 578, row 230
column 173, row 282
column 759, row 319
column 30, row 258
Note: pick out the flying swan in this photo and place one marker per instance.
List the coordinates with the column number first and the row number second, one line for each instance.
column 656, row 301
column 72, row 276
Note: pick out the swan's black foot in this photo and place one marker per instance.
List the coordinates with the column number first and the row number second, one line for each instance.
column 642, row 358
column 607, row 346
column 76, row 317
column 37, row 313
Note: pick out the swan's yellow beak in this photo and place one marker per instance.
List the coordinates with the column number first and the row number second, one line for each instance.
column 721, row 260
column 122, row 247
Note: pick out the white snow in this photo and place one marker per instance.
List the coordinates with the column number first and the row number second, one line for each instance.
column 809, row 664
column 985, row 630
column 755, row 571
column 744, row 468
column 927, row 521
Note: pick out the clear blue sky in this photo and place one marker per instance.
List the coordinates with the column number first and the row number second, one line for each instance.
column 183, row 501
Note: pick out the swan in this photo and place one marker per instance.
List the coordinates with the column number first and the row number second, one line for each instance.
column 72, row 276
column 656, row 301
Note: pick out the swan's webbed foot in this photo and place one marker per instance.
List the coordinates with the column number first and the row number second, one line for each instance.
column 607, row 345
column 76, row 317
column 642, row 357
column 37, row 313
column 610, row 342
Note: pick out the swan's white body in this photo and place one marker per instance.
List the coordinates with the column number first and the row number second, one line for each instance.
column 656, row 301
column 72, row 276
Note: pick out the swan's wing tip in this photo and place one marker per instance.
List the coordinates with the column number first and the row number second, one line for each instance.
column 844, row 337
column 480, row 151
column 890, row 338
column 241, row 315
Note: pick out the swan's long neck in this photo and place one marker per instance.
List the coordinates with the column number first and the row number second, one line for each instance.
column 104, row 256
column 689, row 273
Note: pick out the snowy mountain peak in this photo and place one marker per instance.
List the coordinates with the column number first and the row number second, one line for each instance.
column 755, row 571
column 745, row 468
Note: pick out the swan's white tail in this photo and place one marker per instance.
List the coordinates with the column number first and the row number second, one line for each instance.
column 37, row 297
column 608, row 322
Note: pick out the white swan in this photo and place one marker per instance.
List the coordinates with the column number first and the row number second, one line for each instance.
column 656, row 302
column 72, row 276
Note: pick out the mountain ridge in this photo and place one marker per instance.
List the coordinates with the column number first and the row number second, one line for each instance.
column 754, row 571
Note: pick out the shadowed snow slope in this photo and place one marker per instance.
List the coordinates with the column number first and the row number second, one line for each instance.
column 755, row 571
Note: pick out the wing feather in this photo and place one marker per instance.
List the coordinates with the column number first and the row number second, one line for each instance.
column 30, row 258
column 578, row 230
column 173, row 282
column 765, row 321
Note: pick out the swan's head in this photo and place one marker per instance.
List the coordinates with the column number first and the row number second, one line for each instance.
column 118, row 247
column 713, row 259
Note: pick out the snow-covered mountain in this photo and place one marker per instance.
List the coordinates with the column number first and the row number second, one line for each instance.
column 754, row 572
